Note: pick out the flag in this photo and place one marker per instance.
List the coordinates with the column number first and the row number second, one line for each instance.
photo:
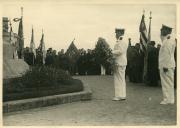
column 42, row 48
column 32, row 44
column 20, row 39
column 143, row 34
column 149, row 33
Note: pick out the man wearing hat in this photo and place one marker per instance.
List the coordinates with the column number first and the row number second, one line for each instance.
column 167, row 65
column 119, row 54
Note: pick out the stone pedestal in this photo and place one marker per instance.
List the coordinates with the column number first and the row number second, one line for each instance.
column 11, row 67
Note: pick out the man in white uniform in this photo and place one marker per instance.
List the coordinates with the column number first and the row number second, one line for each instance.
column 167, row 65
column 119, row 54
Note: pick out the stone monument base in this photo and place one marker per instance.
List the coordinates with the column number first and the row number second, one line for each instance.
column 14, row 68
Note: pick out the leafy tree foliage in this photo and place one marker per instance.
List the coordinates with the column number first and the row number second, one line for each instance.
column 103, row 53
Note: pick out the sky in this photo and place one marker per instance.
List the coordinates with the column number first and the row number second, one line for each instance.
column 62, row 22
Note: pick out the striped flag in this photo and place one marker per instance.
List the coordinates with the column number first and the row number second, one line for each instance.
column 143, row 34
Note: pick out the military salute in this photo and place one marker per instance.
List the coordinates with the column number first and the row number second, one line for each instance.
column 167, row 65
column 119, row 54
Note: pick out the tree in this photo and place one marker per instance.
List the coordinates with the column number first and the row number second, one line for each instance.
column 92, row 66
column 72, row 54
column 63, row 62
column 102, row 54
column 81, row 62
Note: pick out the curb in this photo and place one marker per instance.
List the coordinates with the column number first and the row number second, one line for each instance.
column 19, row 105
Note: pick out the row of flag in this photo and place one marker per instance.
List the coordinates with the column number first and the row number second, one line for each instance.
column 41, row 47
column 20, row 41
column 145, row 37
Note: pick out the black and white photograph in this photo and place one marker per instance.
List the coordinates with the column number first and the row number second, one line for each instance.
column 89, row 63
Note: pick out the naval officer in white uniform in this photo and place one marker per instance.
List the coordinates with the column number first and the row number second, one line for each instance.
column 119, row 53
column 167, row 65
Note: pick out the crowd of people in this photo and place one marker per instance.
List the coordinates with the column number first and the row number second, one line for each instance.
column 135, row 63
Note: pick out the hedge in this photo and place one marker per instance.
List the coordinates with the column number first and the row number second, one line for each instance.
column 38, row 82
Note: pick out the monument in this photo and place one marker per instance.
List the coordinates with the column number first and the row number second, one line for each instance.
column 12, row 65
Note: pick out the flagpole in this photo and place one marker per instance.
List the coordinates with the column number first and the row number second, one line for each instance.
column 10, row 29
column 21, row 12
column 144, row 41
column 33, row 47
column 149, row 32
column 22, row 50
column 147, row 50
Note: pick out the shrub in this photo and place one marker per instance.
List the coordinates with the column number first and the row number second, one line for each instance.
column 44, row 76
column 40, row 81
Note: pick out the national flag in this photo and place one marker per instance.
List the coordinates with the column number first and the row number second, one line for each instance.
column 143, row 34
column 20, row 39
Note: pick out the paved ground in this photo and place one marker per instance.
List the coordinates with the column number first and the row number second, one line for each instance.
column 141, row 108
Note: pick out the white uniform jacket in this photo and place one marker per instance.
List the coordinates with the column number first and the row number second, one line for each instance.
column 166, row 54
column 119, row 52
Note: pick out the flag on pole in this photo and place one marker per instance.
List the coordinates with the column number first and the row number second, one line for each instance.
column 32, row 44
column 42, row 48
column 143, row 34
column 20, row 39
